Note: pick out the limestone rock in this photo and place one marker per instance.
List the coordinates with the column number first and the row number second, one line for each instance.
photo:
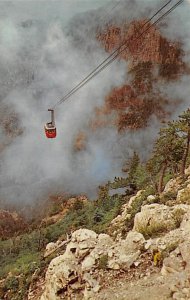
column 135, row 241
column 172, row 185
column 88, row 254
column 126, row 252
column 183, row 195
column 81, row 235
column 156, row 218
column 91, row 282
column 123, row 261
column 172, row 265
column 187, row 171
column 180, row 287
column 105, row 239
column 88, row 263
column 118, row 223
column 184, row 249
column 133, row 199
column 73, row 271
column 148, row 244
column 151, row 198
column 61, row 271
column 49, row 248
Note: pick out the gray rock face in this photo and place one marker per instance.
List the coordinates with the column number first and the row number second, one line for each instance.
column 62, row 271
column 173, row 185
column 118, row 223
column 157, row 227
column 183, row 195
column 158, row 218
column 72, row 272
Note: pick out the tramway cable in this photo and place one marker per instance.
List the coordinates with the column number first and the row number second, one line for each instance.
column 108, row 61
column 109, row 57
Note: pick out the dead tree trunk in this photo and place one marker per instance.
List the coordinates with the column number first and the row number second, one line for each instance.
column 161, row 179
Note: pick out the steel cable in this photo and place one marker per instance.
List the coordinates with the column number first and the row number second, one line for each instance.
column 116, row 53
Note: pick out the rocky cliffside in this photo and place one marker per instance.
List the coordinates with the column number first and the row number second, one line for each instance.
column 151, row 58
column 152, row 258
column 147, row 47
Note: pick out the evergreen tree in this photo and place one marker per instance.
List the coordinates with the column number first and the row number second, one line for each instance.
column 134, row 163
column 183, row 128
column 167, row 153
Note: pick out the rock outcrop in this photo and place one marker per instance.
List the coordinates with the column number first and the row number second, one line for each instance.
column 156, row 218
column 74, row 272
column 150, row 47
column 151, row 57
column 118, row 223
column 155, row 249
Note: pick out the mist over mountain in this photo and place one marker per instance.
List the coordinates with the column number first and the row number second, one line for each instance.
column 42, row 58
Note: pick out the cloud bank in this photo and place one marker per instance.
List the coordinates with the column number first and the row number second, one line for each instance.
column 42, row 58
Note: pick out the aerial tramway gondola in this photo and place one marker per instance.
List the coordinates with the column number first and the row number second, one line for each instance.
column 50, row 129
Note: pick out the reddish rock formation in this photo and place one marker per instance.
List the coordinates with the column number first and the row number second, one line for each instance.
column 80, row 141
column 147, row 47
column 151, row 58
column 10, row 223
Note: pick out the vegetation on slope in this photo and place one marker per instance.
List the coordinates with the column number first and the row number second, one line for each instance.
column 21, row 257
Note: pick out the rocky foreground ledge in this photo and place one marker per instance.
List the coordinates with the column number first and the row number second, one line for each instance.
column 136, row 266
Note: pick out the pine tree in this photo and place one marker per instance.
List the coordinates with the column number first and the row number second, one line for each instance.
column 167, row 153
column 183, row 128
column 134, row 163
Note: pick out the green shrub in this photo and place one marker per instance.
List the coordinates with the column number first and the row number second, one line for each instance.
column 136, row 207
column 184, row 197
column 141, row 200
column 103, row 262
column 170, row 195
column 54, row 209
column 11, row 283
column 141, row 177
column 178, row 216
column 153, row 230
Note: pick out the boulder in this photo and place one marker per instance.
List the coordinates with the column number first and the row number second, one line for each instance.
column 184, row 249
column 118, row 223
column 183, row 195
column 125, row 252
column 169, row 241
column 81, row 235
column 73, row 271
column 173, row 185
column 123, row 261
column 172, row 264
column 88, row 263
column 61, row 272
column 151, row 198
column 104, row 239
column 82, row 241
column 134, row 241
column 133, row 199
column 158, row 218
column 49, row 248
column 76, row 271
column 187, row 171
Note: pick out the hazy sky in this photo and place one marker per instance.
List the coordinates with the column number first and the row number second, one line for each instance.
column 58, row 8
column 41, row 59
